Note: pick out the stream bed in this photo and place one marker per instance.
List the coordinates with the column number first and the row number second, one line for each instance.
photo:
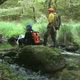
column 12, row 71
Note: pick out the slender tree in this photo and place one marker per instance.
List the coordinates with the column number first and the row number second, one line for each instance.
column 34, row 16
column 49, row 3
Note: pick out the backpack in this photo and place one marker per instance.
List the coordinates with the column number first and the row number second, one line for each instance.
column 35, row 37
column 57, row 21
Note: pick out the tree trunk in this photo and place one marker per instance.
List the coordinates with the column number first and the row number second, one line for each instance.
column 55, row 3
column 49, row 3
column 34, row 16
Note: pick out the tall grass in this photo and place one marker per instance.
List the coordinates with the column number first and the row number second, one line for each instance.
column 9, row 29
column 69, row 32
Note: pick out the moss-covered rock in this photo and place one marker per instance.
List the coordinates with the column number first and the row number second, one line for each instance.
column 42, row 58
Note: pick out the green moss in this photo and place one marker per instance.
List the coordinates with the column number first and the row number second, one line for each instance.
column 8, row 73
column 5, row 46
column 69, row 32
column 42, row 58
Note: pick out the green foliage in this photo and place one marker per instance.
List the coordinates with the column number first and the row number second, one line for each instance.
column 69, row 32
column 2, row 1
column 65, row 33
column 5, row 46
column 9, row 3
column 68, row 8
column 9, row 29
column 40, row 27
column 8, row 73
column 26, row 21
column 76, row 33
column 73, row 12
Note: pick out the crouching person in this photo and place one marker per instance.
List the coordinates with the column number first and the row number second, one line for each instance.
column 27, row 38
column 31, row 37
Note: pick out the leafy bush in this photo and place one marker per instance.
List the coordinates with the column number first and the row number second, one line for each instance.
column 76, row 33
column 65, row 34
column 10, row 28
column 69, row 32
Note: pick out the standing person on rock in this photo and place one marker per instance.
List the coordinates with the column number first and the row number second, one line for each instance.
column 54, row 23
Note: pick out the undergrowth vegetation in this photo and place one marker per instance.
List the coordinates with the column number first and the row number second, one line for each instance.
column 69, row 32
column 9, row 29
column 8, row 74
column 5, row 46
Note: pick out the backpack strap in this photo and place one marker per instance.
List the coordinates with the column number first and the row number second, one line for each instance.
column 57, row 21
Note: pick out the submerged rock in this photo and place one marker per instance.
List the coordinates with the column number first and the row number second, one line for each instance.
column 72, row 48
column 41, row 58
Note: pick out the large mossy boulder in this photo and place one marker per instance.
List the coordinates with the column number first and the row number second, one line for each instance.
column 42, row 58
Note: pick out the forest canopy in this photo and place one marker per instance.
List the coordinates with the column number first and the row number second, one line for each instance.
column 69, row 9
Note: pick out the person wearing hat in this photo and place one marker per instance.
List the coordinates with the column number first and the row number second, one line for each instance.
column 51, row 27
